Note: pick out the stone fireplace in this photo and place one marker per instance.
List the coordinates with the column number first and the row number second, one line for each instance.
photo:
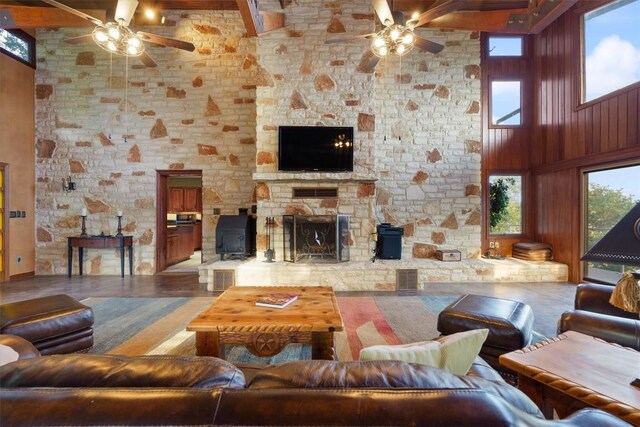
column 315, row 238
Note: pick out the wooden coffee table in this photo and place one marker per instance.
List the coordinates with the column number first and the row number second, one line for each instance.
column 573, row 371
column 234, row 318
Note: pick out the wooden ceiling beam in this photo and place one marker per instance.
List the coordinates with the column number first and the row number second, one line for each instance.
column 259, row 22
column 546, row 12
column 495, row 21
column 12, row 17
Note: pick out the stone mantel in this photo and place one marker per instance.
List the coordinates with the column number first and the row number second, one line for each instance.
column 313, row 176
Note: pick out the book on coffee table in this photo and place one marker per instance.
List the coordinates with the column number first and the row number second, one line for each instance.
column 276, row 300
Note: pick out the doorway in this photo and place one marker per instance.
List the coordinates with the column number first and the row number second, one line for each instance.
column 179, row 221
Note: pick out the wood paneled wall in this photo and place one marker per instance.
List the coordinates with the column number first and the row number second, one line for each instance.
column 505, row 149
column 560, row 136
column 568, row 137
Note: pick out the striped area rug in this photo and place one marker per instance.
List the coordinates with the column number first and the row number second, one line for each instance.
column 137, row 326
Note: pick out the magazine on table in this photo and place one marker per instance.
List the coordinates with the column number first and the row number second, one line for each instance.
column 276, row 300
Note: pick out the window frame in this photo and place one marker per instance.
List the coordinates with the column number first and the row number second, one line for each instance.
column 490, row 81
column 581, row 81
column 31, row 42
column 523, row 46
column 584, row 192
column 523, row 203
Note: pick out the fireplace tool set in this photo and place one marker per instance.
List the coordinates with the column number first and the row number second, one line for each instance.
column 269, row 254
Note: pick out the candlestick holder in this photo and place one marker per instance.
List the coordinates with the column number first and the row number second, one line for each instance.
column 119, row 226
column 84, row 226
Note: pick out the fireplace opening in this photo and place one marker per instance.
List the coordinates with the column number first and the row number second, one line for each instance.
column 316, row 239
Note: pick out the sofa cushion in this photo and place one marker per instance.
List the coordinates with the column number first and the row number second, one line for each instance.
column 380, row 374
column 7, row 355
column 455, row 353
column 85, row 370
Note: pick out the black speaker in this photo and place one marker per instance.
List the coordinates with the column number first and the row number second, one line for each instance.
column 389, row 243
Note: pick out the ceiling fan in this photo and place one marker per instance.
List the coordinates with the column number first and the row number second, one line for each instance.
column 116, row 36
column 397, row 36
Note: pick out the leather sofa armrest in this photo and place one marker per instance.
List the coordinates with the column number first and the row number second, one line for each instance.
column 24, row 348
column 595, row 297
column 625, row 332
column 593, row 417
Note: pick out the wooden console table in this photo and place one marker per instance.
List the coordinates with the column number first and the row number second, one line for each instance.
column 100, row 242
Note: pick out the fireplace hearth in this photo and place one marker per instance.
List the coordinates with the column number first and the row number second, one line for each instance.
column 316, row 239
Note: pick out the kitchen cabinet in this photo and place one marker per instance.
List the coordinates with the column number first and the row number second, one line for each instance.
column 197, row 236
column 190, row 203
column 176, row 199
column 179, row 243
column 185, row 199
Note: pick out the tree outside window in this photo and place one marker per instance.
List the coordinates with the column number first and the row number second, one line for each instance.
column 505, row 204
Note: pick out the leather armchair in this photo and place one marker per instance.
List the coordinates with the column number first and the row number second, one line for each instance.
column 594, row 315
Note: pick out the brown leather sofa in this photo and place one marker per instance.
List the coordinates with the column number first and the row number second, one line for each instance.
column 594, row 315
column 80, row 389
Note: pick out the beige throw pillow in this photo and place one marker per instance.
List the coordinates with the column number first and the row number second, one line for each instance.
column 455, row 353
column 7, row 355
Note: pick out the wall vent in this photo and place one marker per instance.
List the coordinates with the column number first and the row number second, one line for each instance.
column 315, row 193
column 223, row 279
column 407, row 280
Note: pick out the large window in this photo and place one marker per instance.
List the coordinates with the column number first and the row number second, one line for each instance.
column 611, row 48
column 506, row 103
column 18, row 45
column 505, row 204
column 610, row 194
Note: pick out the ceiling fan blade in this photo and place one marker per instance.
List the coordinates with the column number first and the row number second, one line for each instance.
column 438, row 11
column 125, row 10
column 147, row 60
column 372, row 62
column 73, row 11
column 383, row 11
column 349, row 38
column 165, row 41
column 427, row 45
column 80, row 39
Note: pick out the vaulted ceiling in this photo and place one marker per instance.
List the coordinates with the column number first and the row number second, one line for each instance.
column 507, row 16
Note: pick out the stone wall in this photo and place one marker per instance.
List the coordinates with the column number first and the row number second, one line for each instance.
column 195, row 111
column 416, row 120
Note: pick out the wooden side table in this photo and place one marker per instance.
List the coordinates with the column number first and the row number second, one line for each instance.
column 573, row 371
column 99, row 242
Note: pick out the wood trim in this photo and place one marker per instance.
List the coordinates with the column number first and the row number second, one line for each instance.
column 592, row 160
column 22, row 275
column 4, row 272
column 258, row 22
column 162, row 190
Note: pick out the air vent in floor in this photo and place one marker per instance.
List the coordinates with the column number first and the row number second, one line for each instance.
column 223, row 279
column 407, row 280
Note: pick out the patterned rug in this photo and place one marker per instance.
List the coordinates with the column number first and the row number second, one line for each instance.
column 136, row 326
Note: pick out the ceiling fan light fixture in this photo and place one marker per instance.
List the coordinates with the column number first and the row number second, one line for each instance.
column 397, row 40
column 150, row 13
column 114, row 33
column 111, row 46
column 101, row 36
column 407, row 38
column 394, row 34
column 379, row 42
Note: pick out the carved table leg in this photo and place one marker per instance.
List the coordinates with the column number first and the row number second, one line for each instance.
column 208, row 344
column 322, row 345
column 536, row 393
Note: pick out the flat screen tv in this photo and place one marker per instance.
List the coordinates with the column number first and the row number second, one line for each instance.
column 315, row 149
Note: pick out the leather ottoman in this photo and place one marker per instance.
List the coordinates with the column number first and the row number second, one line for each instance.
column 54, row 325
column 510, row 324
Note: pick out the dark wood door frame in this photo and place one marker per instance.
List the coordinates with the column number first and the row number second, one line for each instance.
column 162, row 190
column 4, row 270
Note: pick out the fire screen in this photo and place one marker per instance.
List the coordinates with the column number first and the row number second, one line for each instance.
column 316, row 239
